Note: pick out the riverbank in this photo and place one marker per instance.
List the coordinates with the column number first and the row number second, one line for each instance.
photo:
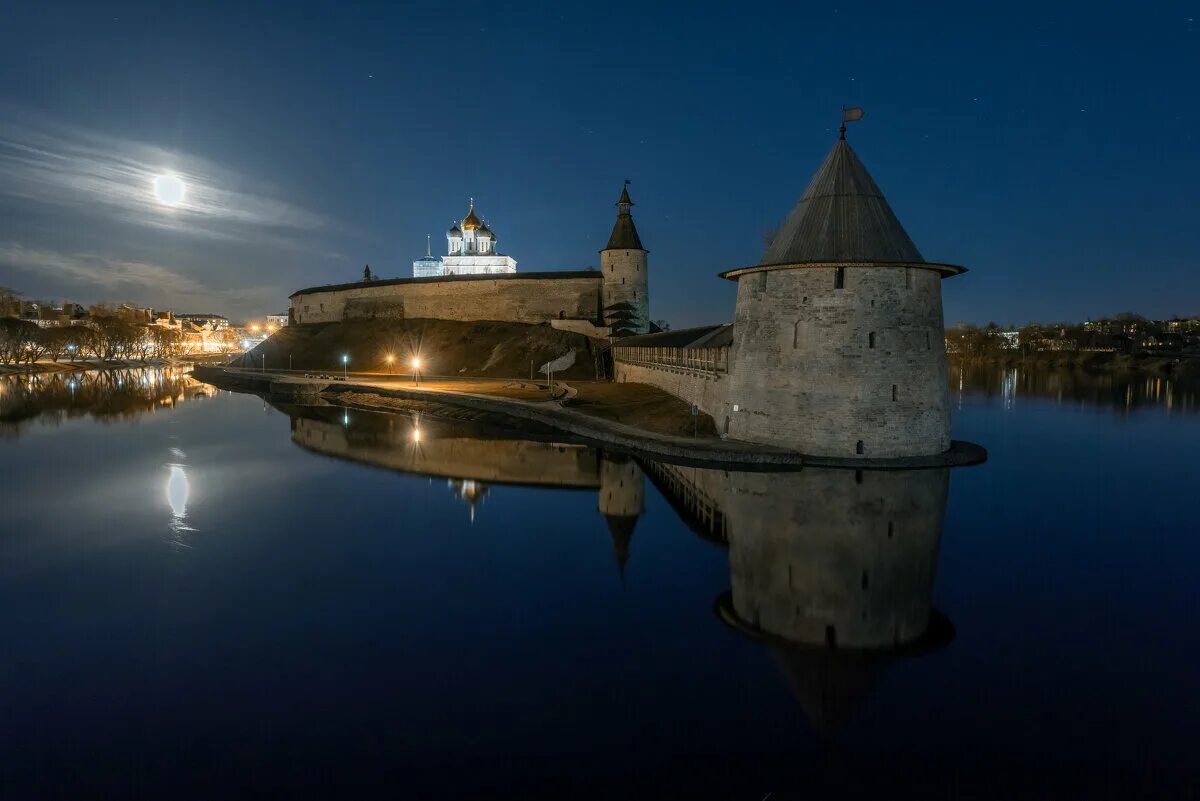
column 597, row 419
column 113, row 364
column 1185, row 367
column 453, row 348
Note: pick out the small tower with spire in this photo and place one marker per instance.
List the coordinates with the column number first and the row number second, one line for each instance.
column 429, row 265
column 626, row 286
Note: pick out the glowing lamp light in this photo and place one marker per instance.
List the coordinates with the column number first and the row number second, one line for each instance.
column 416, row 363
column 416, row 435
column 345, row 358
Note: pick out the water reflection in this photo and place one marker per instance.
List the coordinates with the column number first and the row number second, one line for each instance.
column 1121, row 390
column 53, row 398
column 831, row 570
column 177, row 492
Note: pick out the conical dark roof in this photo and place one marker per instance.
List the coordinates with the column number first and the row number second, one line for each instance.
column 621, row 529
column 624, row 233
column 842, row 217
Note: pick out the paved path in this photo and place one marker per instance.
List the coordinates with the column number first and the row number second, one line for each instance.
column 708, row 451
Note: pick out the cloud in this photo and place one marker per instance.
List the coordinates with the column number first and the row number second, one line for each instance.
column 97, row 174
column 117, row 279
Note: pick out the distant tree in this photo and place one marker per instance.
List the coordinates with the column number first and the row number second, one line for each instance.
column 14, row 334
column 56, row 342
column 663, row 325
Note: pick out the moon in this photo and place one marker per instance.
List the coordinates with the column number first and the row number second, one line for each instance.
column 169, row 189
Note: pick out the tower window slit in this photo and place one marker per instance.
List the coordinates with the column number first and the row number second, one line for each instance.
column 908, row 277
column 871, row 340
column 891, row 529
column 865, row 580
column 839, row 278
column 894, row 392
column 926, row 340
column 858, row 447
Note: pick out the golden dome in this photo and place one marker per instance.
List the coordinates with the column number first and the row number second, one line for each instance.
column 472, row 222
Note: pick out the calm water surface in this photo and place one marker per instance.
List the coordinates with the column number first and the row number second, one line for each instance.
column 202, row 594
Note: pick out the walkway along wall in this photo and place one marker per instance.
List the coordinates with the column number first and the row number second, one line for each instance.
column 693, row 364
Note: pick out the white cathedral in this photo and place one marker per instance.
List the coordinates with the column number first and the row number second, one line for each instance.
column 471, row 250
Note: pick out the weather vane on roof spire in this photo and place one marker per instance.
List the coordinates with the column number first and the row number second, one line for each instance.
column 851, row 114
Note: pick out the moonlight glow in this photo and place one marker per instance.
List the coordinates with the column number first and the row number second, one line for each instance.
column 169, row 189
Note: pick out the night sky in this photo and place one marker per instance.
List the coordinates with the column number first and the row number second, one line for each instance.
column 1051, row 148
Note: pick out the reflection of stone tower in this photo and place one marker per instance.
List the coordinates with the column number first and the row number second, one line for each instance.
column 835, row 570
column 839, row 348
column 623, row 263
column 622, row 495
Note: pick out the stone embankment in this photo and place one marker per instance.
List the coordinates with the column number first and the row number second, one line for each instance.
column 372, row 392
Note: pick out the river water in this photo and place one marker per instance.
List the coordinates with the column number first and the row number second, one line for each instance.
column 202, row 594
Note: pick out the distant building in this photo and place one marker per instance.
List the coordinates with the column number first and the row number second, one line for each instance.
column 429, row 265
column 472, row 249
column 213, row 321
column 277, row 320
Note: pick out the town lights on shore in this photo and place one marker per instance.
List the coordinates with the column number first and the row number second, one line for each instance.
column 389, row 359
column 416, row 366
column 416, row 436
column 346, row 365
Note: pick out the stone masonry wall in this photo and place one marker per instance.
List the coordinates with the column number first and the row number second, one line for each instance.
column 519, row 300
column 626, row 280
column 821, row 369
column 706, row 390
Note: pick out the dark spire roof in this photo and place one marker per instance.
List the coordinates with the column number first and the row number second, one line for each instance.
column 621, row 529
column 624, row 233
column 842, row 217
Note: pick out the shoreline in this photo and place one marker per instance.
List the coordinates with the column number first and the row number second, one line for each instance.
column 46, row 367
column 696, row 451
column 1173, row 365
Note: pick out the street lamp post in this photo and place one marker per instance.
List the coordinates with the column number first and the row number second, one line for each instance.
column 346, row 366
column 390, row 358
column 416, row 366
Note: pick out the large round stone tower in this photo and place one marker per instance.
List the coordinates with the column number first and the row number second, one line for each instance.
column 626, row 290
column 839, row 348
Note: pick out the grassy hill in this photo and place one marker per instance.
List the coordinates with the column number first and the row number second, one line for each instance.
column 446, row 347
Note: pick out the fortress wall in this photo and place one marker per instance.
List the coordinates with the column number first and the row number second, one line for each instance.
column 705, row 389
column 489, row 460
column 519, row 300
column 585, row 327
column 806, row 375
